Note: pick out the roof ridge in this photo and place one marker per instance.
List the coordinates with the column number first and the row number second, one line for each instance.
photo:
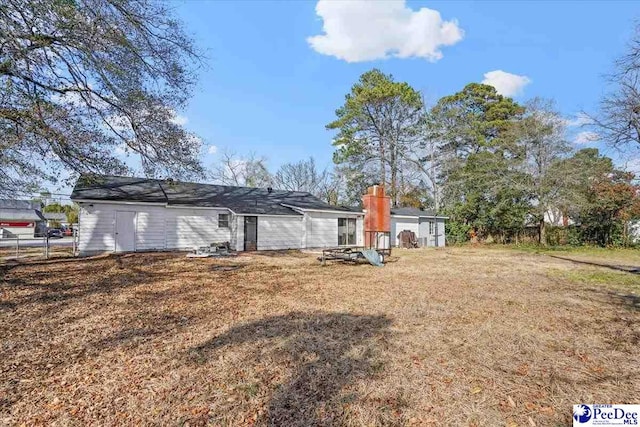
column 167, row 180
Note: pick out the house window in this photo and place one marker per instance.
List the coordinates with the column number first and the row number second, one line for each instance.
column 223, row 220
column 346, row 231
column 431, row 231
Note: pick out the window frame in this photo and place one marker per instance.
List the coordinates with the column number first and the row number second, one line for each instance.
column 347, row 231
column 432, row 229
column 227, row 220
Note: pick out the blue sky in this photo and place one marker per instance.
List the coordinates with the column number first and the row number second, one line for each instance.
column 268, row 91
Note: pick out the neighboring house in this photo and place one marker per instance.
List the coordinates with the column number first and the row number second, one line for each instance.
column 427, row 226
column 133, row 214
column 20, row 218
column 55, row 218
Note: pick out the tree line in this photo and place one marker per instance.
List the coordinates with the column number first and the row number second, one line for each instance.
column 498, row 169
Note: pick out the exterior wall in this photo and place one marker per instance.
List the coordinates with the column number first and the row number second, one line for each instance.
column 157, row 227
column 399, row 224
column 96, row 230
column 240, row 233
column 279, row 232
column 150, row 228
column 436, row 238
column 190, row 228
column 321, row 229
column 441, row 234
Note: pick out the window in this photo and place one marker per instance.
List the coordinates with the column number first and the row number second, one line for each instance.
column 223, row 220
column 346, row 231
column 431, row 228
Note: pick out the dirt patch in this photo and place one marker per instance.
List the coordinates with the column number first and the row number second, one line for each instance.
column 439, row 337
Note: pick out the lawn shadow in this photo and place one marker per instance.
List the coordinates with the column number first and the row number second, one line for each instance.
column 329, row 351
column 625, row 268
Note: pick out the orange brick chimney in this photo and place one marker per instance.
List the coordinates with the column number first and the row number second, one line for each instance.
column 377, row 217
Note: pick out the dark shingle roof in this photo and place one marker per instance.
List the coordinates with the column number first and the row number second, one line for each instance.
column 18, row 204
column 412, row 212
column 20, row 210
column 174, row 193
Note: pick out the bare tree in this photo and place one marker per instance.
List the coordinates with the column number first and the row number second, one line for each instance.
column 250, row 171
column 304, row 176
column 541, row 134
column 82, row 80
column 618, row 121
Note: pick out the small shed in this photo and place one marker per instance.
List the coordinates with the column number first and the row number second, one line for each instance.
column 427, row 226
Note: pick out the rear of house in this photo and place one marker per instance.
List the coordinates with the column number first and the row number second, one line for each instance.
column 120, row 214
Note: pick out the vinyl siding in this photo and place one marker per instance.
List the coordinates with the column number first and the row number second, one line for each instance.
column 160, row 228
column 240, row 233
column 97, row 227
column 190, row 228
column 150, row 228
column 279, row 232
column 322, row 229
column 157, row 227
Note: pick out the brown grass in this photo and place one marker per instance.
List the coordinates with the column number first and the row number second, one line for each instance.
column 440, row 337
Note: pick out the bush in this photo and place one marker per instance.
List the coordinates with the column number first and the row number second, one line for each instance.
column 456, row 232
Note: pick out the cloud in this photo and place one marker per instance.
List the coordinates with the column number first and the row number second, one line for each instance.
column 586, row 137
column 506, row 84
column 580, row 119
column 179, row 120
column 358, row 31
column 212, row 149
column 633, row 165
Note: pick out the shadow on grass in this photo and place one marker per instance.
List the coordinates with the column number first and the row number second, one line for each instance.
column 329, row 351
column 626, row 268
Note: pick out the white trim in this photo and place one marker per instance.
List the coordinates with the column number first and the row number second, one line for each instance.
column 274, row 215
column 322, row 210
column 168, row 206
column 419, row 216
column 118, row 202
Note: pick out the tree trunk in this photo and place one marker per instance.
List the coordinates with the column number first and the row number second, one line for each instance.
column 394, row 177
column 383, row 171
column 542, row 233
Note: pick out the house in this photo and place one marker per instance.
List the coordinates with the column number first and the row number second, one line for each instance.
column 20, row 218
column 55, row 219
column 123, row 214
column 427, row 226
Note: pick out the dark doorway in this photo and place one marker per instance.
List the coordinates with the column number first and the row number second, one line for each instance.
column 250, row 233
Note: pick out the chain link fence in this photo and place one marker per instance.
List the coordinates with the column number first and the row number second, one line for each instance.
column 27, row 248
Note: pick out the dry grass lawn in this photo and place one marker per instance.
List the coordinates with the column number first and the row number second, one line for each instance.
column 462, row 336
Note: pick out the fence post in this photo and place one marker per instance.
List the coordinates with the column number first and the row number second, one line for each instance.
column 17, row 246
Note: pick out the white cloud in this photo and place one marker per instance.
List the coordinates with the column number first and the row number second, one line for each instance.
column 633, row 165
column 506, row 84
column 179, row 120
column 358, row 31
column 212, row 149
column 586, row 137
column 580, row 119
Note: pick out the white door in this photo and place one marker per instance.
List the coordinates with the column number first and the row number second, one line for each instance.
column 125, row 231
